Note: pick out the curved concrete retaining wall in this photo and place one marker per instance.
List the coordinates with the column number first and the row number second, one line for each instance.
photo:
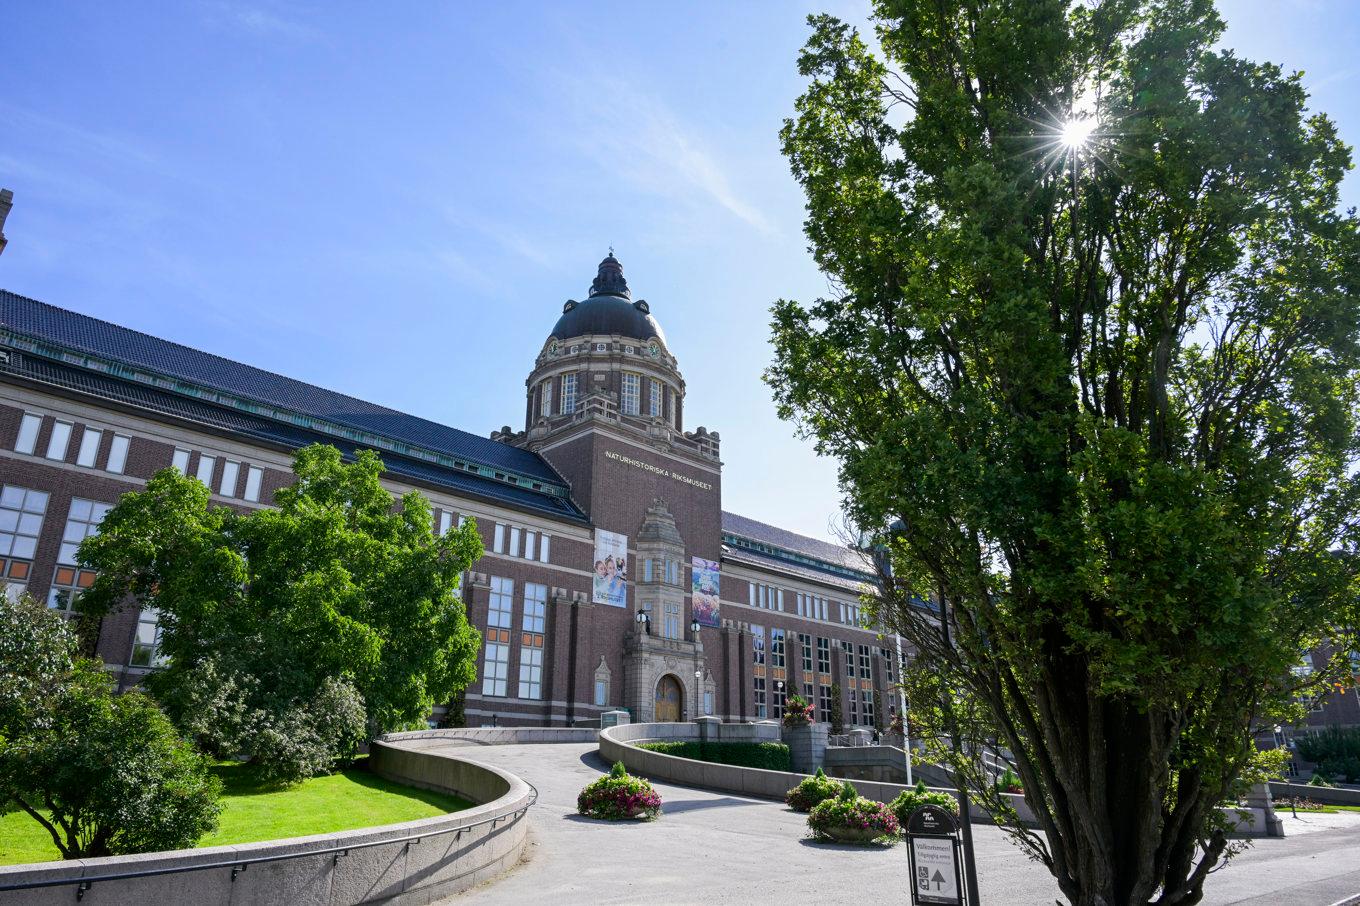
column 493, row 736
column 453, row 852
column 1331, row 795
column 620, row 744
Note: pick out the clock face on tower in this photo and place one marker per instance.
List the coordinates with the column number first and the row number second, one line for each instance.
column 553, row 347
column 653, row 350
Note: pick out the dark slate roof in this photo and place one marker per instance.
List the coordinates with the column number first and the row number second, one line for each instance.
column 791, row 541
column 110, row 341
column 852, row 587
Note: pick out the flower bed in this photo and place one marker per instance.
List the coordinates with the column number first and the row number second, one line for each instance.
column 618, row 796
column 850, row 818
column 797, row 711
column 811, row 791
column 909, row 801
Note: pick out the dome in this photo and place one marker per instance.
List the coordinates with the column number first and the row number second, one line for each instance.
column 609, row 309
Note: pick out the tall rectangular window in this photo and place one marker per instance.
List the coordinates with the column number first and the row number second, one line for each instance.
column 671, row 620
column 498, row 539
column 529, row 539
column 531, row 640
column 545, row 398
column 535, row 607
column 807, row 652
column 21, row 519
column 543, row 549
column 230, row 472
column 866, row 707
column 752, row 587
column 28, row 433
column 445, row 522
column 854, row 707
column 777, row 648
column 146, row 644
column 496, row 668
column 601, row 692
column 824, row 702
column 631, row 393
column 865, row 668
column 253, row 477
column 758, row 644
column 59, row 441
column 759, row 689
column 181, row 461
column 205, row 469
column 778, row 701
column 500, row 610
column 531, row 673
column 654, row 403
column 848, row 655
column 118, row 451
column 568, row 394
column 82, row 522
column 823, row 655
column 514, row 541
column 89, row 447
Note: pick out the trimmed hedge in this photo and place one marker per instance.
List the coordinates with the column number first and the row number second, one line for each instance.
column 768, row 756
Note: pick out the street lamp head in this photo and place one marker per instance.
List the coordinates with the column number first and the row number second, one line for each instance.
column 694, row 626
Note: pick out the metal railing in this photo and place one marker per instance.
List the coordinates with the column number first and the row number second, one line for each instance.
column 237, row 866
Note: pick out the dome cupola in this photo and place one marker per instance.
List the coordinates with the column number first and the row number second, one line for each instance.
column 608, row 310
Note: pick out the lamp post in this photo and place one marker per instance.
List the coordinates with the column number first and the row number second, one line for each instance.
column 644, row 620
column 694, row 628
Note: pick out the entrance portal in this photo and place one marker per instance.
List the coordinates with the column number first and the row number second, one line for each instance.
column 668, row 699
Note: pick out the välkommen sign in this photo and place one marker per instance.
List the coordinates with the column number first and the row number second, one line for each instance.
column 934, row 852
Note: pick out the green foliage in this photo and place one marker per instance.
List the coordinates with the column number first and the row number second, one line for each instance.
column 797, row 711
column 292, row 634
column 1009, row 782
column 618, row 796
column 1109, row 394
column 104, row 774
column 1335, row 751
column 1318, row 780
column 909, row 801
column 850, row 818
column 768, row 756
column 810, row 791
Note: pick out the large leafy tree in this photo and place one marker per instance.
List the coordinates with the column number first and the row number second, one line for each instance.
column 1092, row 350
column 104, row 774
column 290, row 633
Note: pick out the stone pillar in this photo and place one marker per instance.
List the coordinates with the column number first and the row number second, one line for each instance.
column 614, row 719
column 1262, row 808
column 807, row 746
column 710, row 729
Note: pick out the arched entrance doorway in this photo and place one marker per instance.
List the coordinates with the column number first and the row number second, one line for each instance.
column 669, row 699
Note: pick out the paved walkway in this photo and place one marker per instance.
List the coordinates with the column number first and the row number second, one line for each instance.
column 721, row 848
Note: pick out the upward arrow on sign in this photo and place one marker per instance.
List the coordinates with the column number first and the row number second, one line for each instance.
column 938, row 879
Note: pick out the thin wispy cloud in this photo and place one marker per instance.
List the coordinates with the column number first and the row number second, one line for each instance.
column 635, row 135
column 260, row 22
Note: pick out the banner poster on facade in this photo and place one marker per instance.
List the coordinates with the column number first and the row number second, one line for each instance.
column 704, row 585
column 611, row 569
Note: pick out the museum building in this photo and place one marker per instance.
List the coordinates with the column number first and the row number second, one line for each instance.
column 612, row 576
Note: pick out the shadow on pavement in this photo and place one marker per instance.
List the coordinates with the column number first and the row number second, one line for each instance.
column 671, row 807
column 848, row 847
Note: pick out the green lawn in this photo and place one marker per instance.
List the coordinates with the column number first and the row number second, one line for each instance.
column 251, row 812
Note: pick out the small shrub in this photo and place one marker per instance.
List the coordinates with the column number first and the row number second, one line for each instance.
column 813, row 790
column 1318, row 779
column 617, row 796
column 909, row 801
column 797, row 711
column 1009, row 782
column 850, row 818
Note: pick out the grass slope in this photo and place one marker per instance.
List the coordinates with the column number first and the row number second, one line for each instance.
column 251, row 811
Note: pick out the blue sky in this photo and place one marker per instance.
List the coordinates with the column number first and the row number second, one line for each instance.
column 394, row 201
